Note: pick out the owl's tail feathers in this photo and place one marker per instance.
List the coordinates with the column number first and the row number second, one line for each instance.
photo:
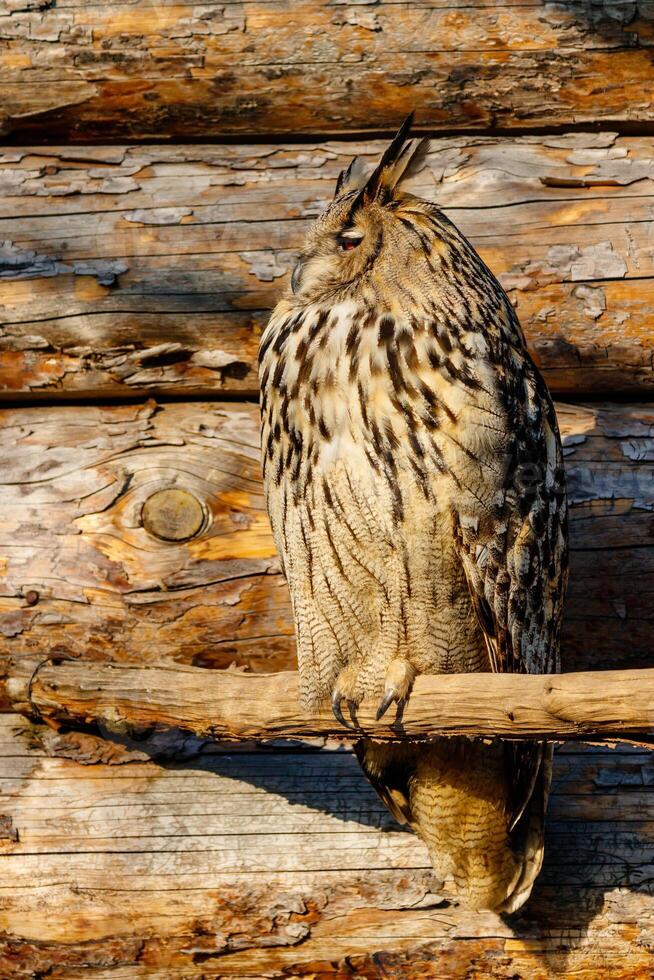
column 528, row 836
column 456, row 794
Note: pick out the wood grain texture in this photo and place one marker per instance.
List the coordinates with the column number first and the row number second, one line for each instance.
column 153, row 269
column 185, row 860
column 615, row 704
column 82, row 576
column 139, row 70
column 72, row 535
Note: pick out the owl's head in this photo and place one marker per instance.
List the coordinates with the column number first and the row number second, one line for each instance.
column 362, row 226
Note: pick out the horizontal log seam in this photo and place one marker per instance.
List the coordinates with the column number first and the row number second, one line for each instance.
column 229, row 705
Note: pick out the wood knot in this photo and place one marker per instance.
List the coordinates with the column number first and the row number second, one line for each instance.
column 172, row 515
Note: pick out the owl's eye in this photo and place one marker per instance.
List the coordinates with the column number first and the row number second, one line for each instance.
column 349, row 240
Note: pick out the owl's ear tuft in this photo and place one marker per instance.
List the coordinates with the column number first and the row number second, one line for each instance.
column 412, row 161
column 401, row 159
column 351, row 178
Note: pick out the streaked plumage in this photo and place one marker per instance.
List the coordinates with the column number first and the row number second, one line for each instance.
column 414, row 482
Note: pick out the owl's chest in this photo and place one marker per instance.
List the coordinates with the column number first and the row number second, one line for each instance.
column 367, row 396
column 334, row 385
column 321, row 366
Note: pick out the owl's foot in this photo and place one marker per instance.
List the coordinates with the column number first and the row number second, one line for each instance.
column 397, row 685
column 345, row 688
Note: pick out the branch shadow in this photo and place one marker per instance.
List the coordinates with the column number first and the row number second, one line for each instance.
column 599, row 838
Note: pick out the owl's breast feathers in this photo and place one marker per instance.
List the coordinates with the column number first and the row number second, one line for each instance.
column 414, row 486
column 393, row 389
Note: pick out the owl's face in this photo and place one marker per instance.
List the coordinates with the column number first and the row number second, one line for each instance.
column 342, row 245
column 362, row 234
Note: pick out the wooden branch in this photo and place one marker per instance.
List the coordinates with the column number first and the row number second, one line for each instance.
column 126, row 270
column 139, row 69
column 236, row 706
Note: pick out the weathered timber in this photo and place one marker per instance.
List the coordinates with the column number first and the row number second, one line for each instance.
column 214, row 863
column 230, row 706
column 77, row 71
column 83, row 576
column 132, row 269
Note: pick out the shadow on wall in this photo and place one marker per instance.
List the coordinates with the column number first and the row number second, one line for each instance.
column 598, row 836
column 599, row 844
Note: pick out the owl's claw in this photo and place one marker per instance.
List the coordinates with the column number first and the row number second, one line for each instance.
column 386, row 702
column 399, row 680
column 337, row 699
column 352, row 708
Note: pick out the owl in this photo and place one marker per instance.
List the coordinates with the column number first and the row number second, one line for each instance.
column 414, row 482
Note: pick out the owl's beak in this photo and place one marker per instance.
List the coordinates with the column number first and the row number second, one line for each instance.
column 296, row 278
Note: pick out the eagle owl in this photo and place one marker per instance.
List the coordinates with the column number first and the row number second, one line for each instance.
column 414, row 482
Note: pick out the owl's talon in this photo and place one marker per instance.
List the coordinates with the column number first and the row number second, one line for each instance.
column 399, row 681
column 386, row 702
column 337, row 700
column 352, row 708
column 336, row 709
column 345, row 689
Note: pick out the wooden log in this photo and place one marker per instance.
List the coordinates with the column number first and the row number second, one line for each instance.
column 82, row 574
column 85, row 574
column 142, row 70
column 153, row 269
column 229, row 706
column 187, row 860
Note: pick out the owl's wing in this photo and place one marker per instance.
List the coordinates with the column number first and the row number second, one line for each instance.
column 515, row 562
column 515, row 559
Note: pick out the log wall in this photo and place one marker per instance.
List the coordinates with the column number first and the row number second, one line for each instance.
column 126, row 270
column 160, row 163
column 201, row 863
column 152, row 70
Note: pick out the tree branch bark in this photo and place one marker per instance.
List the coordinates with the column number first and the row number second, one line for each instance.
column 617, row 704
